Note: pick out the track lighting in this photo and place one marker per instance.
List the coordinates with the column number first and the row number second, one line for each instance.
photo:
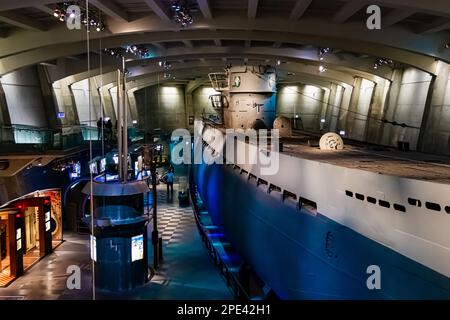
column 138, row 51
column 166, row 64
column 181, row 13
column 381, row 62
column 323, row 52
column 322, row 69
column 60, row 12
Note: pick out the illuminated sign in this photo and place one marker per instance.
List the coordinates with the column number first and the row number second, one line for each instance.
column 137, row 248
column 47, row 221
column 61, row 115
column 19, row 239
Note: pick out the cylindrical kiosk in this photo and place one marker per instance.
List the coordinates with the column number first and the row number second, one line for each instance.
column 119, row 237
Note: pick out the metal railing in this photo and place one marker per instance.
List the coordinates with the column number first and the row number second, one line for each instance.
column 18, row 137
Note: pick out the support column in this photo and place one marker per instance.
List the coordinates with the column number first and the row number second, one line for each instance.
column 4, row 114
column 434, row 135
column 50, row 107
column 375, row 115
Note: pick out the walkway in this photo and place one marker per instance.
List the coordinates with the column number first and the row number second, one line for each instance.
column 187, row 271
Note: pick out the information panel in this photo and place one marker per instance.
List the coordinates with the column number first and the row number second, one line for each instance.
column 137, row 248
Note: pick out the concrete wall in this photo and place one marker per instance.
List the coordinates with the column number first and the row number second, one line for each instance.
column 358, row 111
column 22, row 92
column 201, row 102
column 161, row 107
column 436, row 135
column 333, row 107
column 377, row 109
column 87, row 101
column 108, row 103
column 4, row 114
column 405, row 104
column 65, row 102
column 304, row 101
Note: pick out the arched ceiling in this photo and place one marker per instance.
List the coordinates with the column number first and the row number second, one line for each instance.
column 414, row 32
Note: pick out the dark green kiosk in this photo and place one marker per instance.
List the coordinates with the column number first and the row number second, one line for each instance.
column 119, row 237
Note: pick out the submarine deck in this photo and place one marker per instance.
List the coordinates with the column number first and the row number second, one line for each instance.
column 374, row 158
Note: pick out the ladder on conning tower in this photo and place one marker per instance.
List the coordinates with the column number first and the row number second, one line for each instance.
column 219, row 81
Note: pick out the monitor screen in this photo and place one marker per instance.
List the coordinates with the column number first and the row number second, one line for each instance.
column 93, row 167
column 137, row 248
column 76, row 170
column 103, row 165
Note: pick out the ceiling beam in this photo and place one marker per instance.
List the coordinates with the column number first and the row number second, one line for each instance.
column 205, row 8
column 408, row 47
column 12, row 5
column 348, row 10
column 252, row 8
column 436, row 26
column 395, row 16
column 111, row 9
column 438, row 7
column 158, row 45
column 188, row 43
column 159, row 9
column 21, row 21
column 299, row 9
column 277, row 44
column 45, row 9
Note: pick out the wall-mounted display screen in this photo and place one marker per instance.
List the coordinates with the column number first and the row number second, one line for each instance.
column 93, row 167
column 103, row 165
column 137, row 248
column 76, row 170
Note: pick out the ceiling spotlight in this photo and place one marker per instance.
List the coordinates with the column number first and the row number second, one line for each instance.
column 322, row 69
column 56, row 13
column 447, row 45
column 61, row 17
column 181, row 13
column 278, row 62
column 165, row 64
column 323, row 52
column 381, row 62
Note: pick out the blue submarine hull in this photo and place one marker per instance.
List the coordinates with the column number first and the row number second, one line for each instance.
column 301, row 255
